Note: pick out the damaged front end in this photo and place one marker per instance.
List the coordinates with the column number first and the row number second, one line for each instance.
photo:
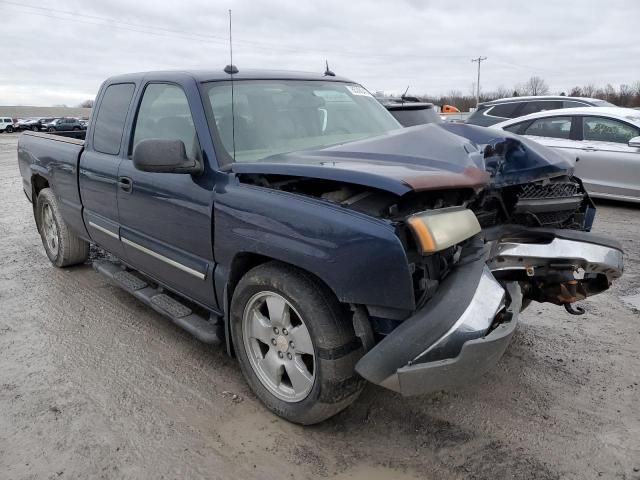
column 466, row 326
column 488, row 221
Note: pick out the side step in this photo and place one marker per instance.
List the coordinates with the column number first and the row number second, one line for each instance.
column 205, row 330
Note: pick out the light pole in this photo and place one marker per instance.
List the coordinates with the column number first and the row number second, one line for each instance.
column 479, row 60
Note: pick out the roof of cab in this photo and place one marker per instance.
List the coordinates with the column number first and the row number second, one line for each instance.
column 219, row 74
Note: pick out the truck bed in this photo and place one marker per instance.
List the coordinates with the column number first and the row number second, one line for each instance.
column 53, row 160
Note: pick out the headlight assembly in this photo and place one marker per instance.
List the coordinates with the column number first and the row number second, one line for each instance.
column 439, row 229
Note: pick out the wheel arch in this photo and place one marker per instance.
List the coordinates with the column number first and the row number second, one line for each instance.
column 241, row 264
column 38, row 183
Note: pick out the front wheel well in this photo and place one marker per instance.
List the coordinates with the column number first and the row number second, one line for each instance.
column 243, row 263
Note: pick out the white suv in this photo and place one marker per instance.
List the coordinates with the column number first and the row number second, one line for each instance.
column 6, row 124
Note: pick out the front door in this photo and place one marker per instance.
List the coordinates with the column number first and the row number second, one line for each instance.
column 166, row 218
column 608, row 165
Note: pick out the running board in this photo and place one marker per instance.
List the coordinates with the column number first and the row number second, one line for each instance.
column 205, row 330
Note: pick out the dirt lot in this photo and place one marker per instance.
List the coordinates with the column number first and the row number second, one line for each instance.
column 94, row 384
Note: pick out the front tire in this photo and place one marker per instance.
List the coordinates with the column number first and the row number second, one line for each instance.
column 63, row 247
column 51, row 129
column 295, row 343
column 9, row 129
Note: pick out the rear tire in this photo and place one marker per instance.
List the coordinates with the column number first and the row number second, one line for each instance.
column 9, row 129
column 320, row 342
column 35, row 129
column 63, row 247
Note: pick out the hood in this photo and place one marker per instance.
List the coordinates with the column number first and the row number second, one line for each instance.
column 424, row 157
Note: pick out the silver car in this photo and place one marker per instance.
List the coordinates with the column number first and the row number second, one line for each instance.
column 604, row 142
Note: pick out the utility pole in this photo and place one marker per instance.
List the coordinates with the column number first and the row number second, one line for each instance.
column 479, row 60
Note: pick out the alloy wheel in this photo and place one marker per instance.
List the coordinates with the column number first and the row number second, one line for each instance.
column 279, row 347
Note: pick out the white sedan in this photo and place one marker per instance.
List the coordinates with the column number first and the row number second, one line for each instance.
column 604, row 142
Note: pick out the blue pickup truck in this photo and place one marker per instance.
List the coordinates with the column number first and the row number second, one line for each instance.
column 291, row 218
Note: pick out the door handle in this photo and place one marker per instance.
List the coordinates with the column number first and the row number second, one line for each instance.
column 590, row 149
column 125, row 184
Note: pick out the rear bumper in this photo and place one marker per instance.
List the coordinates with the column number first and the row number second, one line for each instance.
column 454, row 339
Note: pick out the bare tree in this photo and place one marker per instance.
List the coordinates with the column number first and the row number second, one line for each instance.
column 87, row 104
column 589, row 90
column 575, row 92
column 610, row 93
column 536, row 86
column 625, row 94
column 502, row 92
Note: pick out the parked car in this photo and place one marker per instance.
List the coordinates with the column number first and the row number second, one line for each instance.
column 410, row 112
column 490, row 113
column 604, row 142
column 290, row 216
column 6, row 124
column 62, row 125
column 34, row 124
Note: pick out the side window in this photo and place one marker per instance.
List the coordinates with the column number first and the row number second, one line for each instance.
column 553, row 127
column 109, row 123
column 516, row 128
column 164, row 113
column 572, row 104
column 539, row 106
column 601, row 129
column 506, row 110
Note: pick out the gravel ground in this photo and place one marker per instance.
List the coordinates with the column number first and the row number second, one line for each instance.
column 93, row 384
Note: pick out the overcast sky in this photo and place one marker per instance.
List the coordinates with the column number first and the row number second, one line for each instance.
column 59, row 52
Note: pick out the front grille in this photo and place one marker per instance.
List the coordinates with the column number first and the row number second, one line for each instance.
column 550, row 190
column 553, row 204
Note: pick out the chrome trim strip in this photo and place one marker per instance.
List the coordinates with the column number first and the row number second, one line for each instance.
column 593, row 258
column 104, row 230
column 164, row 259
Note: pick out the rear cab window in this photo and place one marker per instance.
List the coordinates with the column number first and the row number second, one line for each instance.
column 109, row 122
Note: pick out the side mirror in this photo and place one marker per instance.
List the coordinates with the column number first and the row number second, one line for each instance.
column 163, row 156
column 635, row 142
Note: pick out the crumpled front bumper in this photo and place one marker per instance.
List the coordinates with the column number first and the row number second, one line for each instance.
column 464, row 330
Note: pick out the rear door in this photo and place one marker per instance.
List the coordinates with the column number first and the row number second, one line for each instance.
column 555, row 132
column 98, row 179
column 608, row 165
column 166, row 218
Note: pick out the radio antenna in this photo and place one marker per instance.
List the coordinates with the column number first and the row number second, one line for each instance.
column 231, row 69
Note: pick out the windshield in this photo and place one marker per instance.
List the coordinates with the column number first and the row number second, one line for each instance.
column 280, row 116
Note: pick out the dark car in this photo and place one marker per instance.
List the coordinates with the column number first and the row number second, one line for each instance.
column 291, row 218
column 495, row 111
column 409, row 111
column 35, row 124
column 62, row 125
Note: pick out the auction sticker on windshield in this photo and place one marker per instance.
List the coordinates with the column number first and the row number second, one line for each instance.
column 358, row 90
